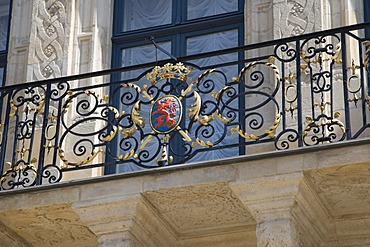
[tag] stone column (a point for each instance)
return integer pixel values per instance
(110, 220)
(125, 221)
(271, 203)
(119, 239)
(275, 202)
(277, 232)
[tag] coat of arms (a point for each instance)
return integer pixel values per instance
(165, 114)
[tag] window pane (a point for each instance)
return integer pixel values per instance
(4, 18)
(204, 8)
(208, 43)
(213, 42)
(142, 54)
(140, 14)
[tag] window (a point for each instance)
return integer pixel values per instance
(367, 16)
(4, 27)
(181, 27)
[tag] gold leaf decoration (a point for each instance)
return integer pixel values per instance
(206, 119)
(222, 118)
(135, 115)
(270, 132)
(115, 111)
(126, 156)
(202, 143)
(41, 104)
(128, 132)
(169, 71)
(111, 135)
(145, 141)
(185, 135)
(337, 51)
(206, 73)
(245, 135)
(188, 89)
(145, 94)
(195, 109)
(253, 65)
(131, 85)
(85, 161)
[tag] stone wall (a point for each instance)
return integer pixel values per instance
(54, 38)
(273, 19)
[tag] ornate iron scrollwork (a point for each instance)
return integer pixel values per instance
(163, 107)
(270, 132)
(320, 56)
(89, 108)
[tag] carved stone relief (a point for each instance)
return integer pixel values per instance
(55, 225)
(195, 210)
(297, 17)
(50, 36)
(344, 191)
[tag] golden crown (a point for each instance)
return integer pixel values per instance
(178, 71)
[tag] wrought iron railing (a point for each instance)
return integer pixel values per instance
(294, 92)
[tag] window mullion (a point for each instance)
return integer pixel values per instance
(176, 12)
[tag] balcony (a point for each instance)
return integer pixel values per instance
(236, 129)
(285, 94)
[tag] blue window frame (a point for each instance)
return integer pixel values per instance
(367, 16)
(181, 27)
(173, 23)
(5, 7)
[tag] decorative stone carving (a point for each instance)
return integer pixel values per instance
(344, 191)
(344, 194)
(50, 35)
(297, 17)
(55, 225)
(10, 238)
(195, 210)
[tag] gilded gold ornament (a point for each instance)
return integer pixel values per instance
(184, 134)
(126, 156)
(169, 71)
(272, 130)
(145, 141)
(195, 109)
(202, 143)
(135, 115)
(111, 135)
(85, 161)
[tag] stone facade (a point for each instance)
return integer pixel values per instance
(54, 38)
(309, 197)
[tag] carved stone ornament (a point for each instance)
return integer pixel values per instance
(50, 34)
